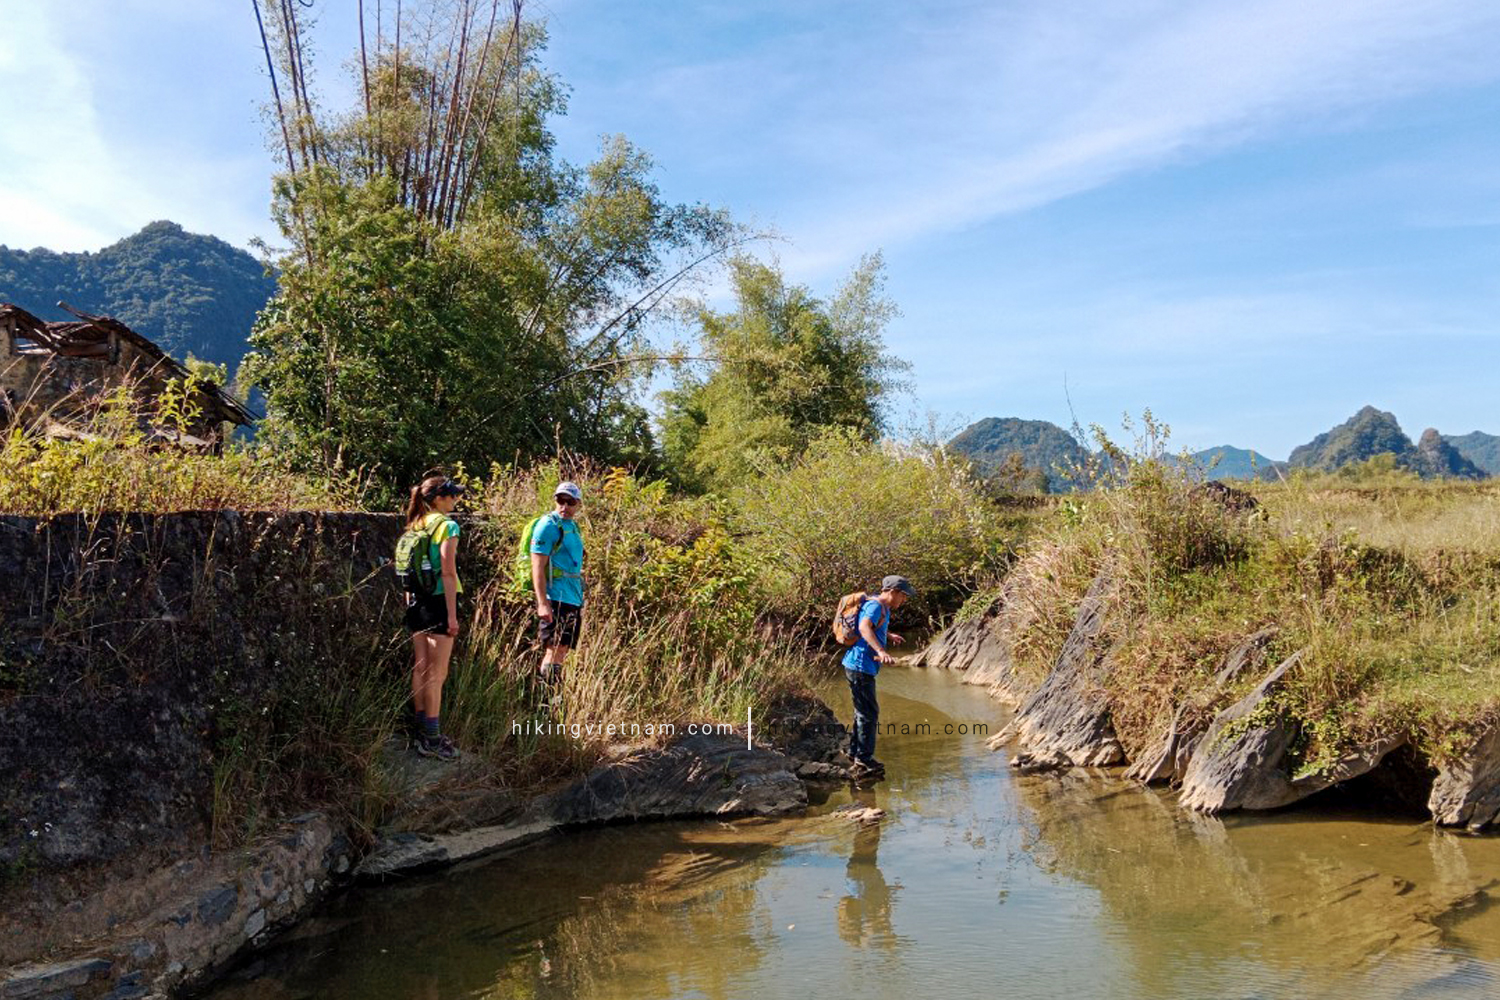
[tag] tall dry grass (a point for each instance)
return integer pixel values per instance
(672, 630)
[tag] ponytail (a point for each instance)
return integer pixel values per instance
(419, 505)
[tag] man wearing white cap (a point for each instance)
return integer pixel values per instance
(557, 579)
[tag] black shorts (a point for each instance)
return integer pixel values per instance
(563, 629)
(429, 614)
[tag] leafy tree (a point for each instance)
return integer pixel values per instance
(452, 292)
(786, 368)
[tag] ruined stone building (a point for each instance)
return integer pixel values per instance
(52, 373)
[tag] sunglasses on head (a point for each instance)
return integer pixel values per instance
(566, 500)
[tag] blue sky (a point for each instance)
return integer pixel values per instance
(1253, 216)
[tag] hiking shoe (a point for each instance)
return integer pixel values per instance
(440, 747)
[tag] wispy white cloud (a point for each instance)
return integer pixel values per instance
(56, 166)
(935, 122)
(81, 165)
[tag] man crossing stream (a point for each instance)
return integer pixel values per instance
(861, 664)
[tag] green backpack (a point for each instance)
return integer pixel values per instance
(520, 576)
(414, 569)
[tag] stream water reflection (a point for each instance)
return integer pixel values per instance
(1069, 886)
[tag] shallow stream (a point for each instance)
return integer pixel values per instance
(977, 883)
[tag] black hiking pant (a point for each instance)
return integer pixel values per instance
(866, 714)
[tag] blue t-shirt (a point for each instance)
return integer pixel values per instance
(860, 656)
(565, 571)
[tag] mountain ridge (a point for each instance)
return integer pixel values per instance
(1478, 447)
(993, 442)
(191, 293)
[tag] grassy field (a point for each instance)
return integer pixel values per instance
(1389, 585)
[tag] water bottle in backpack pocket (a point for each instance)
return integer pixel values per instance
(414, 569)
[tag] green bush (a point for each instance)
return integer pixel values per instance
(673, 630)
(849, 512)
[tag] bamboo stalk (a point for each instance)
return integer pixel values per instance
(265, 44)
(513, 44)
(364, 71)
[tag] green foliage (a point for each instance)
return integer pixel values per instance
(114, 463)
(391, 352)
(674, 629)
(189, 293)
(787, 368)
(410, 332)
(1377, 470)
(1158, 523)
(848, 512)
(977, 605)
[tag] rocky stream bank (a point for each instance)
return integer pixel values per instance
(173, 930)
(1219, 752)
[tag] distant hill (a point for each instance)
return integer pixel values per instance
(189, 293)
(1045, 448)
(1372, 432)
(1368, 433)
(1042, 449)
(1437, 459)
(1480, 448)
(1228, 462)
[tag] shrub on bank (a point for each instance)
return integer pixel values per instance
(847, 513)
(672, 631)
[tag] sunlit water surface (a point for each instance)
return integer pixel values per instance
(978, 882)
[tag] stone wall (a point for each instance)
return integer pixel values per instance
(139, 652)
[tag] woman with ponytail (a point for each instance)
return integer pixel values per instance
(433, 618)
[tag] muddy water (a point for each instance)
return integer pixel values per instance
(978, 882)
